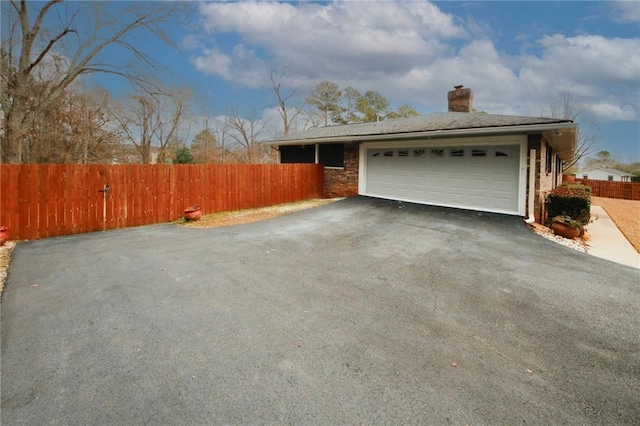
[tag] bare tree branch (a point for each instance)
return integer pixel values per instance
(66, 61)
(287, 113)
(588, 135)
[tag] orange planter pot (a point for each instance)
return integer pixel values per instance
(565, 230)
(4, 235)
(192, 214)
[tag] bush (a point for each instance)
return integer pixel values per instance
(183, 156)
(570, 200)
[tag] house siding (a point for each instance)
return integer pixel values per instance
(599, 174)
(343, 182)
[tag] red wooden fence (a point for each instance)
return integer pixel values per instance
(609, 189)
(47, 200)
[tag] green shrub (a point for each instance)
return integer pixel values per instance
(570, 200)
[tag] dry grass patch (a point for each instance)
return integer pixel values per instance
(625, 214)
(217, 220)
(5, 257)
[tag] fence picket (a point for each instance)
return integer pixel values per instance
(39, 201)
(608, 189)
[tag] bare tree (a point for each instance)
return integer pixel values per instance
(74, 130)
(245, 133)
(588, 135)
(284, 98)
(204, 147)
(152, 120)
(61, 43)
(222, 141)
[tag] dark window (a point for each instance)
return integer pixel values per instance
(437, 152)
(331, 154)
(501, 154)
(419, 152)
(298, 154)
(549, 158)
(610, 178)
(478, 152)
(388, 154)
(403, 153)
(457, 152)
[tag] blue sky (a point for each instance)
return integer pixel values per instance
(516, 56)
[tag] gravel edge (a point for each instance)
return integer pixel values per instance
(5, 258)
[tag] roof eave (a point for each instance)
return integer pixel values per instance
(519, 129)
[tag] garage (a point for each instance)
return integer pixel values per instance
(478, 177)
(459, 158)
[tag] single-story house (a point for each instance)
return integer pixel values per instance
(463, 159)
(604, 173)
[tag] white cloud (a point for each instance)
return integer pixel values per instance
(413, 53)
(337, 38)
(241, 66)
(612, 112)
(626, 11)
(593, 58)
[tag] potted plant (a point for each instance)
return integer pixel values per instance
(566, 227)
(4, 235)
(192, 213)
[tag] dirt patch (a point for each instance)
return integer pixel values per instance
(217, 220)
(625, 214)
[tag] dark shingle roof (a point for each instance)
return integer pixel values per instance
(441, 121)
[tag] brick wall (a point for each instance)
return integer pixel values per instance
(343, 182)
(543, 181)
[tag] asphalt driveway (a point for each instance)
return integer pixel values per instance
(362, 311)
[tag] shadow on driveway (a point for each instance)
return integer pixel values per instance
(361, 311)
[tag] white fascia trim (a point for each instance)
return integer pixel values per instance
(392, 137)
(522, 178)
(362, 172)
(475, 141)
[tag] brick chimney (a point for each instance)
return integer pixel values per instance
(460, 100)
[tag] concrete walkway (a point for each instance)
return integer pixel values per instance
(607, 242)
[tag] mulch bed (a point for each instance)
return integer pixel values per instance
(221, 219)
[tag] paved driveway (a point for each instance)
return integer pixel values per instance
(362, 311)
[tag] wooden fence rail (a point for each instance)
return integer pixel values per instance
(608, 189)
(47, 200)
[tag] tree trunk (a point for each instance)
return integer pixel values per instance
(14, 134)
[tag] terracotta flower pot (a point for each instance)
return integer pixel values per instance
(192, 213)
(4, 235)
(565, 230)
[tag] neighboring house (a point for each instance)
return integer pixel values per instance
(604, 173)
(462, 159)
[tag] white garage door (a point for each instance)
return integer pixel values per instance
(473, 177)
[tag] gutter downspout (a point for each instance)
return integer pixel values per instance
(532, 186)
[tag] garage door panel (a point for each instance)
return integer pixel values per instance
(483, 178)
